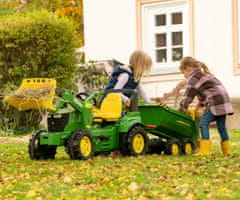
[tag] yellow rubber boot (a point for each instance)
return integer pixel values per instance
(204, 148)
(226, 148)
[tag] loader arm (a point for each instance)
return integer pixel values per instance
(68, 97)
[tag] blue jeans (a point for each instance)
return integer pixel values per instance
(204, 125)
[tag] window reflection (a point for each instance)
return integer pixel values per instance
(161, 55)
(177, 38)
(161, 40)
(160, 20)
(177, 18)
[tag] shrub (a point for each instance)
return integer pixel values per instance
(36, 44)
(91, 78)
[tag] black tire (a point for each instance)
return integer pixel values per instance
(188, 147)
(172, 147)
(155, 146)
(40, 152)
(67, 150)
(136, 136)
(123, 139)
(77, 142)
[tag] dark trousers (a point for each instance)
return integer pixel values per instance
(221, 121)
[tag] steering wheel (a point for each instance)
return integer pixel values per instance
(83, 96)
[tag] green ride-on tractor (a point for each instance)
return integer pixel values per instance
(85, 129)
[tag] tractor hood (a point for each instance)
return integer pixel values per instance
(65, 110)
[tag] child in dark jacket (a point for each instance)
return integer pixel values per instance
(213, 96)
(128, 76)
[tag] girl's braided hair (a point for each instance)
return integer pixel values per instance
(192, 62)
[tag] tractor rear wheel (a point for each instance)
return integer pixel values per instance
(135, 142)
(172, 147)
(80, 145)
(40, 152)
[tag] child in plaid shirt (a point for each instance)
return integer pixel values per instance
(213, 96)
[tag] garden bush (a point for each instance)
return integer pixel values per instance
(34, 44)
(91, 78)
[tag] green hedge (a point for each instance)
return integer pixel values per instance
(36, 44)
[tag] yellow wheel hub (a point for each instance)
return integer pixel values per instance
(188, 149)
(138, 143)
(175, 149)
(85, 146)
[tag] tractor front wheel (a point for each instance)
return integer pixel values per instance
(40, 152)
(135, 142)
(80, 145)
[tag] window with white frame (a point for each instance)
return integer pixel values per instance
(236, 35)
(165, 35)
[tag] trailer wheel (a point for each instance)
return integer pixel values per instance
(80, 145)
(155, 145)
(40, 152)
(172, 147)
(187, 147)
(135, 142)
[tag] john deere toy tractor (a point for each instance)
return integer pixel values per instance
(84, 129)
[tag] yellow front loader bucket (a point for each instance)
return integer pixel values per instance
(34, 93)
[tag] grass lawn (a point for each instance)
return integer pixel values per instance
(144, 177)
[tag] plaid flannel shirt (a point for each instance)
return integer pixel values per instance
(210, 91)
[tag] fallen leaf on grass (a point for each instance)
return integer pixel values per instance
(31, 193)
(133, 186)
(10, 186)
(74, 190)
(190, 197)
(142, 198)
(67, 179)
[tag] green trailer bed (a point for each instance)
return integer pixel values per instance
(165, 122)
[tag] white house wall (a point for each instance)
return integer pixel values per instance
(214, 45)
(110, 32)
(110, 29)
(213, 40)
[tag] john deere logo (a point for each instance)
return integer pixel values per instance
(181, 122)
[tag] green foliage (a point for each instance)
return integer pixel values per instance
(110, 177)
(68, 8)
(37, 44)
(92, 79)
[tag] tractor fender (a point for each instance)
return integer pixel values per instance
(130, 126)
(136, 124)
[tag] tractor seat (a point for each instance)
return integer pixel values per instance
(110, 109)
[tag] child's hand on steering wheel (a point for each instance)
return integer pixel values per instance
(128, 102)
(157, 99)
